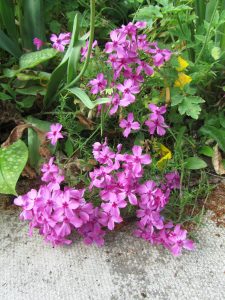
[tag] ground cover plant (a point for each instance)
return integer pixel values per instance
(110, 125)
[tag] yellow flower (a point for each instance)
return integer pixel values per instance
(165, 154)
(182, 80)
(182, 64)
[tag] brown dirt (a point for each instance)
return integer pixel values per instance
(216, 203)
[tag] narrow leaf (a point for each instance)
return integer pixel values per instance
(9, 45)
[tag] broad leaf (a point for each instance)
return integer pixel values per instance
(217, 134)
(190, 106)
(194, 163)
(12, 162)
(32, 59)
(206, 150)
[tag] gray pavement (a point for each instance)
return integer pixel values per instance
(125, 268)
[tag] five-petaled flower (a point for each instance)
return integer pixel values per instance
(59, 42)
(98, 84)
(129, 124)
(54, 134)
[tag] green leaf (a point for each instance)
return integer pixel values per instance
(26, 102)
(55, 26)
(60, 71)
(80, 94)
(32, 22)
(12, 162)
(69, 147)
(73, 61)
(217, 134)
(32, 90)
(8, 18)
(10, 73)
(32, 59)
(206, 150)
(222, 119)
(33, 140)
(194, 163)
(9, 45)
(190, 106)
(5, 97)
(176, 99)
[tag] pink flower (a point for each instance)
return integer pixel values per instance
(129, 124)
(140, 158)
(38, 43)
(98, 84)
(141, 24)
(178, 240)
(55, 133)
(109, 220)
(145, 67)
(59, 42)
(157, 125)
(173, 180)
(117, 38)
(115, 104)
(128, 90)
(161, 56)
(156, 111)
(84, 50)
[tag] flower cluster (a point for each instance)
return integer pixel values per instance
(125, 56)
(151, 225)
(118, 183)
(119, 179)
(56, 212)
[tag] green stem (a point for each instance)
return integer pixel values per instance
(92, 27)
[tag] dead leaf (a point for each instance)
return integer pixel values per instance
(217, 161)
(85, 121)
(15, 134)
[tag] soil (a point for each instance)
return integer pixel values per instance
(216, 203)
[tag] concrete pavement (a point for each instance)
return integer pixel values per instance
(125, 268)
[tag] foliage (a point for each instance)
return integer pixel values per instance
(29, 16)
(12, 162)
